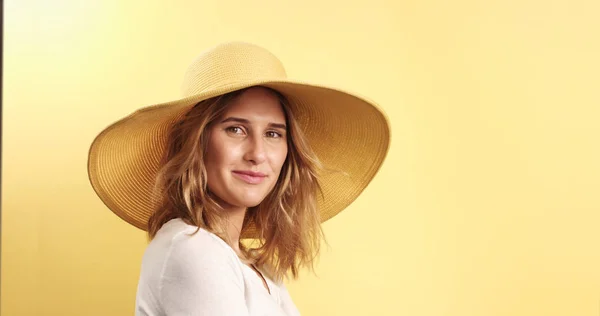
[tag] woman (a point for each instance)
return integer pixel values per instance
(233, 181)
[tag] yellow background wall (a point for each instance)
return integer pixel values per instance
(488, 203)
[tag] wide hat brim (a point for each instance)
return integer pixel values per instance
(349, 134)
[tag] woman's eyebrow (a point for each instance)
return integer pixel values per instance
(245, 121)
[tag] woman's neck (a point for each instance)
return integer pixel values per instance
(235, 216)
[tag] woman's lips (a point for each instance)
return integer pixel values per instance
(249, 177)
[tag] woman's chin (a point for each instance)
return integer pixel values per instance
(240, 200)
(251, 201)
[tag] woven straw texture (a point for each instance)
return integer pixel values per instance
(349, 134)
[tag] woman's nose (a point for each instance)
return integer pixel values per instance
(255, 150)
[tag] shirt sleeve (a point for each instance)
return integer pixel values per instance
(200, 278)
(287, 304)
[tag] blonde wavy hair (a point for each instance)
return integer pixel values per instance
(287, 221)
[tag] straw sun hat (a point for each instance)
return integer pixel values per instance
(347, 132)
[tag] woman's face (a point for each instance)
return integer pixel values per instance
(247, 148)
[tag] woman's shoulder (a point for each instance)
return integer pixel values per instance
(184, 259)
(178, 242)
(176, 235)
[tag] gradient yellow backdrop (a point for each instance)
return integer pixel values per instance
(488, 203)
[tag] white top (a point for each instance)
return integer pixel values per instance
(184, 275)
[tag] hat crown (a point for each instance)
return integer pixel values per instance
(229, 64)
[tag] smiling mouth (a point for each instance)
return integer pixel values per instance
(249, 177)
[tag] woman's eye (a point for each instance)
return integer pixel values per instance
(235, 129)
(273, 134)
